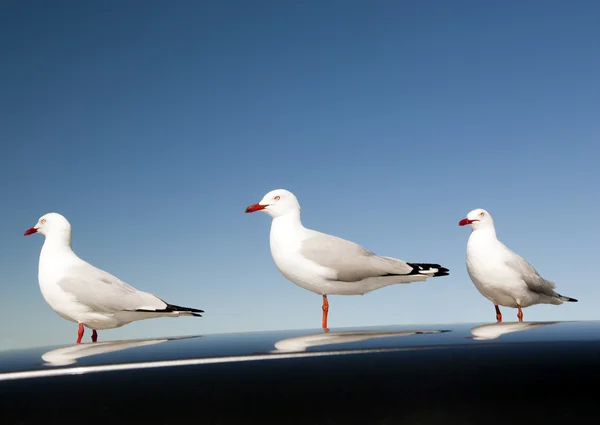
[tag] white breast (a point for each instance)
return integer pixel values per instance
(49, 274)
(486, 265)
(286, 243)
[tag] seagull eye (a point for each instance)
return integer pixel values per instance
(43, 220)
(481, 214)
(277, 198)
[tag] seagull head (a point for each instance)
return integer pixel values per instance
(51, 223)
(477, 219)
(276, 203)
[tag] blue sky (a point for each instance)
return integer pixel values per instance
(152, 125)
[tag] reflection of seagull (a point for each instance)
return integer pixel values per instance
(69, 355)
(301, 343)
(494, 330)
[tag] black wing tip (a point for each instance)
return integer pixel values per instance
(173, 307)
(569, 299)
(419, 267)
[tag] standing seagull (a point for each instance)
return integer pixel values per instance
(328, 265)
(81, 293)
(502, 276)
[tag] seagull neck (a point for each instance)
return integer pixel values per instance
(60, 242)
(489, 232)
(291, 220)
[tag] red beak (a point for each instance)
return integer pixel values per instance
(466, 221)
(30, 231)
(255, 207)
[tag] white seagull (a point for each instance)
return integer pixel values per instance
(502, 276)
(328, 265)
(86, 295)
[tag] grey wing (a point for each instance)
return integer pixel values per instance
(104, 292)
(530, 276)
(350, 261)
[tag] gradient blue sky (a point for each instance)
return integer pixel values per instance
(151, 125)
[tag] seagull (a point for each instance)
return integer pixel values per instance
(84, 294)
(501, 275)
(328, 265)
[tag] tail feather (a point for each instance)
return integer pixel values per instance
(192, 311)
(171, 308)
(429, 269)
(569, 299)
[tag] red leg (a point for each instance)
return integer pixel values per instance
(498, 314)
(94, 335)
(325, 311)
(520, 313)
(80, 333)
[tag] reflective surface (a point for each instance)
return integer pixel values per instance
(243, 346)
(497, 373)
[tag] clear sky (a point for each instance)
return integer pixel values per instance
(151, 125)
